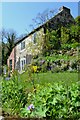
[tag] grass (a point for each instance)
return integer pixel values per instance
(42, 78)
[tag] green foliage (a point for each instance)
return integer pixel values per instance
(17, 95)
(9, 37)
(64, 35)
(51, 41)
(54, 102)
(69, 46)
(77, 20)
(14, 96)
(56, 69)
(62, 38)
(63, 102)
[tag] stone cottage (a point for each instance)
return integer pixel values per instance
(28, 45)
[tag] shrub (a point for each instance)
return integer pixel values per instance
(44, 68)
(14, 96)
(56, 69)
(54, 102)
(69, 46)
(63, 102)
(66, 46)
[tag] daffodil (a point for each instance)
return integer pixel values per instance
(34, 68)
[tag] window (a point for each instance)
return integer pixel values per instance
(45, 30)
(22, 65)
(22, 45)
(34, 37)
(10, 64)
(23, 62)
(57, 19)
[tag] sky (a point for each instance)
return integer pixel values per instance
(18, 15)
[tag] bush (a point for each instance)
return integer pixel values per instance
(44, 67)
(69, 46)
(75, 45)
(56, 69)
(63, 102)
(66, 46)
(54, 102)
(14, 96)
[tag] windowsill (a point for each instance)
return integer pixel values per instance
(22, 50)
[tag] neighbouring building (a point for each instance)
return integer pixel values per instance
(26, 47)
(11, 60)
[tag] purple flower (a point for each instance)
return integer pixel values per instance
(30, 107)
(42, 62)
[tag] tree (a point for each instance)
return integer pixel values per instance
(74, 30)
(77, 20)
(8, 42)
(0, 57)
(42, 18)
(11, 37)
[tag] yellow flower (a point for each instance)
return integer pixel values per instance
(34, 68)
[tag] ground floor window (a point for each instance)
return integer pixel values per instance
(10, 64)
(23, 62)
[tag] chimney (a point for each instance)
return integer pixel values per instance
(64, 9)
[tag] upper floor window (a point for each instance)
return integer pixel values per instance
(34, 37)
(57, 19)
(22, 45)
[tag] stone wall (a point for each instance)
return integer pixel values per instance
(26, 54)
(63, 18)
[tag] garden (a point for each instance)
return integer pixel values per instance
(41, 95)
(49, 87)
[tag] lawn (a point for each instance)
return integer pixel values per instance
(42, 78)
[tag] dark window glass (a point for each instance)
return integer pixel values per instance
(22, 65)
(24, 62)
(34, 37)
(10, 64)
(57, 19)
(44, 29)
(22, 45)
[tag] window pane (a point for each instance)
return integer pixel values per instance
(10, 64)
(24, 62)
(22, 45)
(22, 65)
(34, 37)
